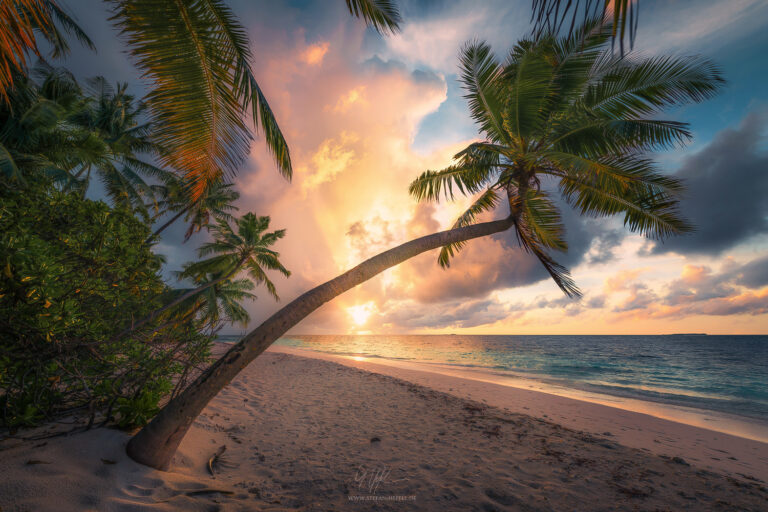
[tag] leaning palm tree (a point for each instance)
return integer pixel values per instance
(246, 247)
(216, 203)
(558, 112)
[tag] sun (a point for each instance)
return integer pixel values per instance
(361, 313)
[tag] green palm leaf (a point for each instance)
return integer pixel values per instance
(479, 74)
(487, 201)
(380, 14)
(197, 56)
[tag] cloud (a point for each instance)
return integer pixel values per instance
(697, 284)
(754, 274)
(706, 24)
(456, 314)
(736, 289)
(315, 53)
(346, 101)
(332, 157)
(432, 36)
(604, 245)
(725, 196)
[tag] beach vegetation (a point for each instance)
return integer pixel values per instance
(72, 268)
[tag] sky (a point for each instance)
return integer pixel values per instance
(365, 114)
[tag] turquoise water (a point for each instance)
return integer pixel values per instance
(719, 373)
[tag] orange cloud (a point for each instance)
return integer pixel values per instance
(315, 53)
(621, 280)
(346, 101)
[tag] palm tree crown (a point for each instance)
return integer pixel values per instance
(219, 303)
(244, 247)
(566, 112)
(58, 129)
(217, 202)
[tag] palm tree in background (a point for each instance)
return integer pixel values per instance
(117, 118)
(217, 304)
(561, 112)
(55, 128)
(244, 247)
(216, 204)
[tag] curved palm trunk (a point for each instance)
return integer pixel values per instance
(156, 443)
(171, 221)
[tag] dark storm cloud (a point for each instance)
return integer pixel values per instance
(726, 190)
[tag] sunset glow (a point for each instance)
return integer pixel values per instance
(360, 314)
(365, 115)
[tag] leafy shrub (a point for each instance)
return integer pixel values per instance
(73, 273)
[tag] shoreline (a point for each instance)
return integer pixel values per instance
(667, 436)
(726, 423)
(303, 433)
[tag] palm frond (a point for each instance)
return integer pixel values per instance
(605, 136)
(487, 201)
(477, 165)
(544, 220)
(196, 54)
(8, 168)
(248, 88)
(69, 26)
(479, 74)
(257, 274)
(559, 274)
(648, 209)
(531, 78)
(21, 21)
(382, 15)
(568, 16)
(639, 87)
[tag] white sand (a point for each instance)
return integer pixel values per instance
(308, 434)
(710, 449)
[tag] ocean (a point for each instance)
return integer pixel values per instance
(727, 374)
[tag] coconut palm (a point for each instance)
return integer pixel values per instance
(116, 117)
(216, 203)
(53, 127)
(220, 303)
(245, 247)
(559, 110)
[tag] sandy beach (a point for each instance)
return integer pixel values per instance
(313, 434)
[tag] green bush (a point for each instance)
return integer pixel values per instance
(73, 273)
